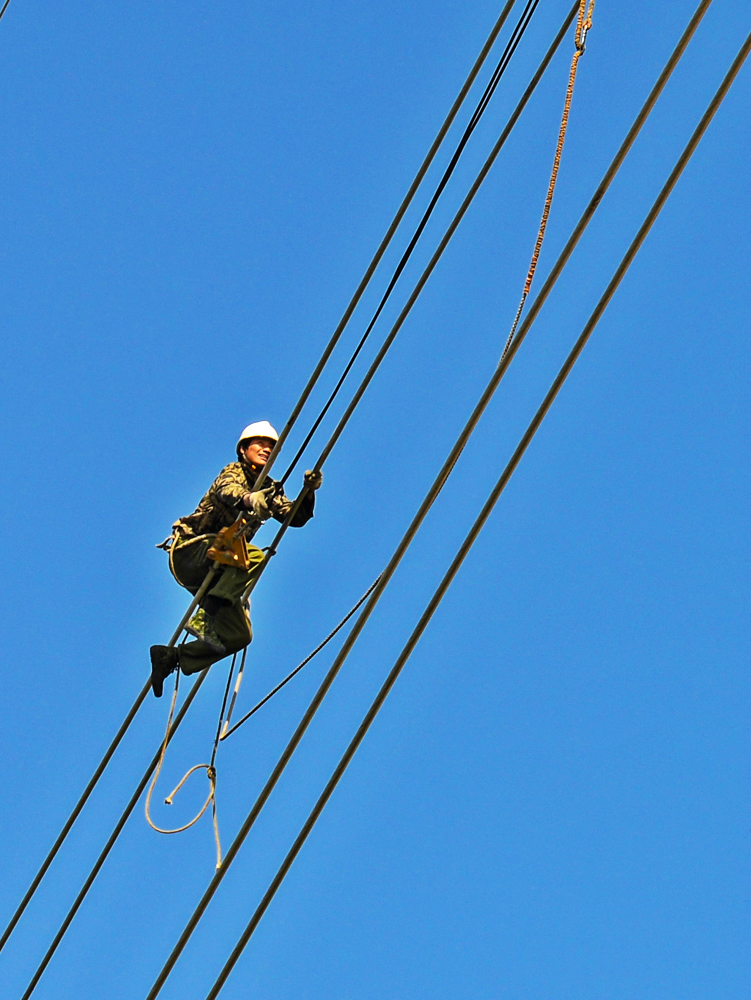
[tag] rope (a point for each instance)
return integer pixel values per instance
(209, 768)
(437, 142)
(235, 693)
(450, 462)
(583, 24)
(228, 732)
(481, 519)
(508, 52)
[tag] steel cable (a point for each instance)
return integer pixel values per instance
(483, 516)
(430, 156)
(435, 489)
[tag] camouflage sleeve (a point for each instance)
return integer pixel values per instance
(281, 504)
(230, 486)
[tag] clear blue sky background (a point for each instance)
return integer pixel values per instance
(554, 801)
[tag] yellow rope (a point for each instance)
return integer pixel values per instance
(583, 24)
(210, 774)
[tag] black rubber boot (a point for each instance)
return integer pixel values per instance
(164, 659)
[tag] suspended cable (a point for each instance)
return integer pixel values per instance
(437, 142)
(508, 52)
(482, 517)
(581, 30)
(443, 475)
(93, 781)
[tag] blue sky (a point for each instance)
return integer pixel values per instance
(554, 800)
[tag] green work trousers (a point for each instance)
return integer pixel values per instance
(189, 563)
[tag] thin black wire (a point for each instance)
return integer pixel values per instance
(437, 142)
(443, 475)
(511, 46)
(481, 519)
(305, 662)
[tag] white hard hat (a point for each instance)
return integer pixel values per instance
(261, 429)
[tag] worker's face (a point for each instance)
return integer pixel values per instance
(258, 450)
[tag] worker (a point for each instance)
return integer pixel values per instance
(221, 625)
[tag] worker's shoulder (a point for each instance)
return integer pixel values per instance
(234, 472)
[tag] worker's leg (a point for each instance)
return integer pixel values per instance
(232, 582)
(190, 562)
(233, 626)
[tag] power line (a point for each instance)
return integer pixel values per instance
(435, 489)
(437, 142)
(482, 517)
(74, 815)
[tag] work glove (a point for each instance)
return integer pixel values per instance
(258, 504)
(282, 507)
(313, 479)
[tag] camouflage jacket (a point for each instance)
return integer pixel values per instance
(224, 501)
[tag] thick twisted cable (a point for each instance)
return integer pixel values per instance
(323, 689)
(380, 252)
(479, 522)
(450, 462)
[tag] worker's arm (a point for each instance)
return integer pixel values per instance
(281, 504)
(230, 486)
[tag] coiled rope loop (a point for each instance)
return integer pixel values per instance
(210, 768)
